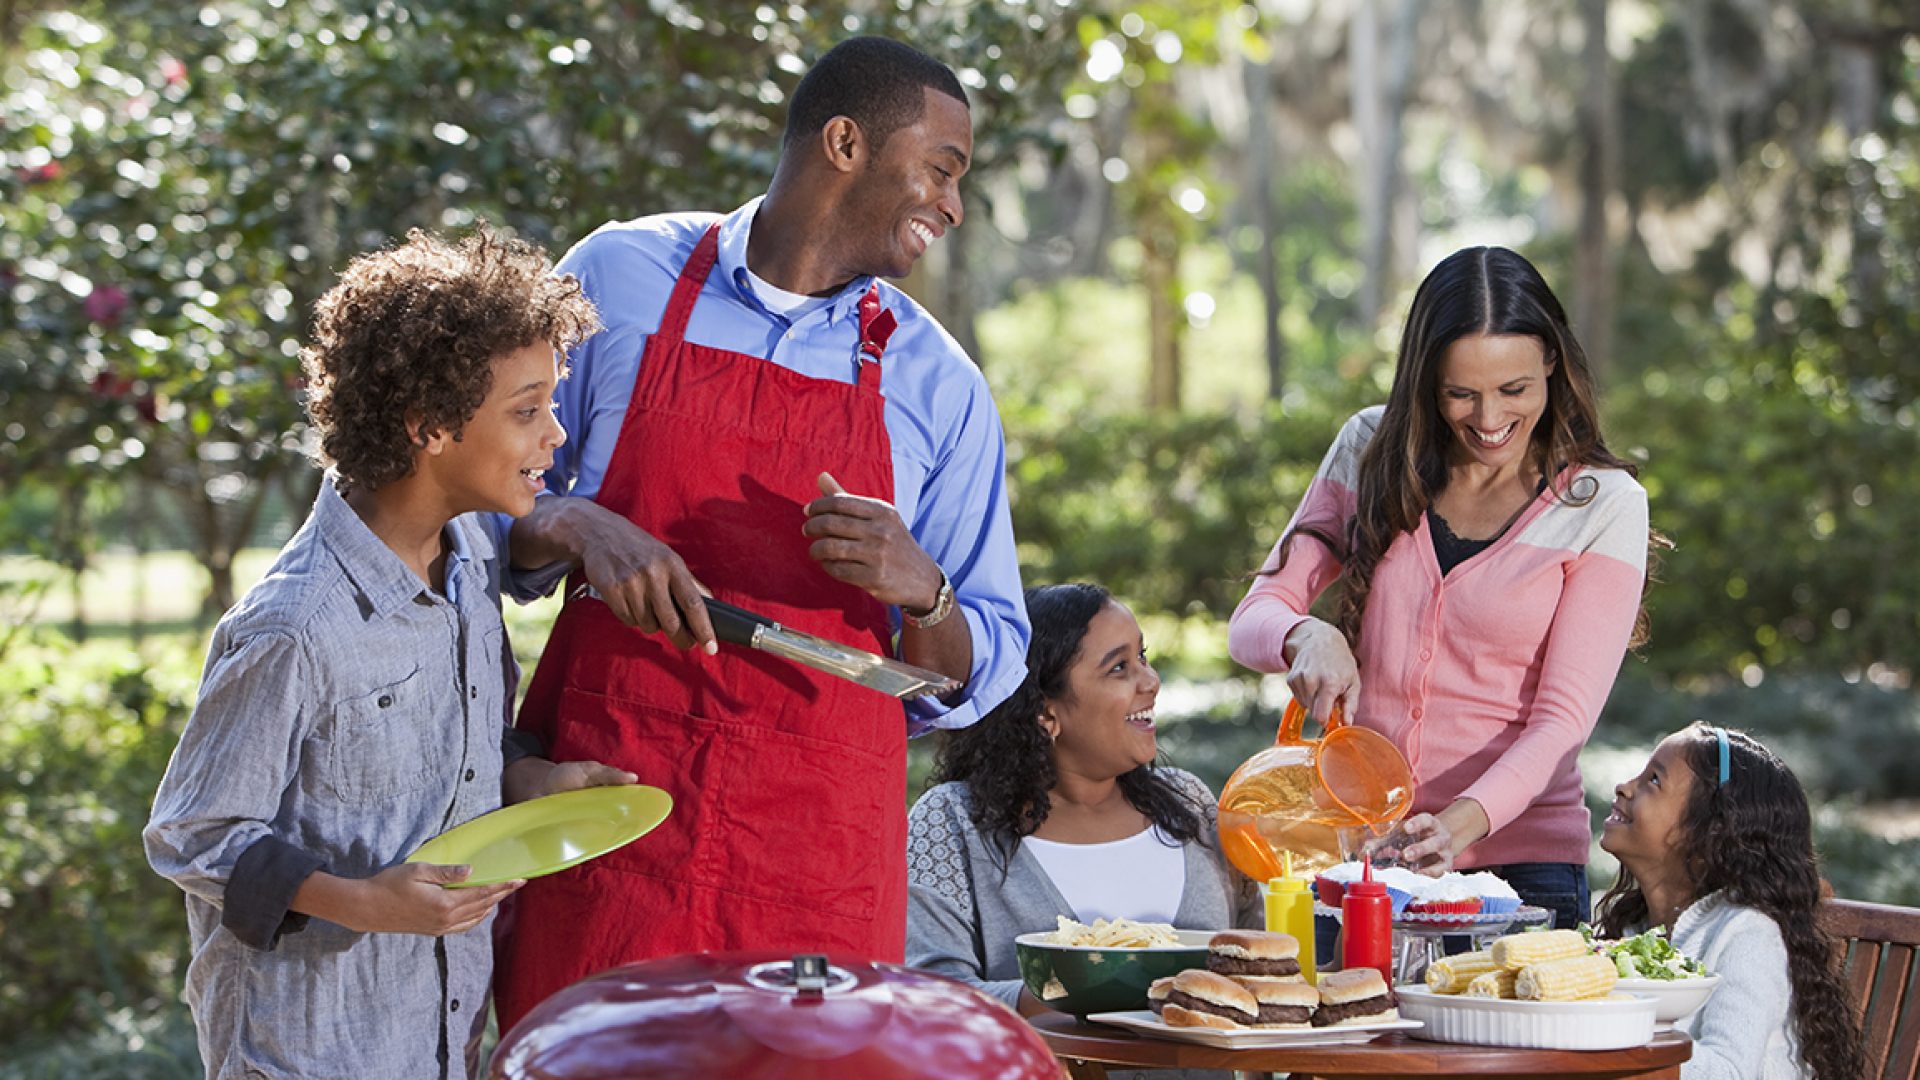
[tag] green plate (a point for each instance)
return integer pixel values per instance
(547, 835)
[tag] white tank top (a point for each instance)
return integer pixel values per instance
(1139, 878)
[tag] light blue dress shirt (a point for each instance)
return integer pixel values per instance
(949, 454)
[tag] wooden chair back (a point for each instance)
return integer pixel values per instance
(1878, 944)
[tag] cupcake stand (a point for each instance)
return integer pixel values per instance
(1418, 936)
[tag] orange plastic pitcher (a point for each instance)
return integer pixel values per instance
(1297, 795)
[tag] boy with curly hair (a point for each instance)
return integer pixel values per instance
(357, 701)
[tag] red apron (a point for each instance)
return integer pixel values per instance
(788, 829)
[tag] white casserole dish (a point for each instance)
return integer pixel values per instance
(1611, 1023)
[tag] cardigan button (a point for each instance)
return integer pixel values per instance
(1418, 712)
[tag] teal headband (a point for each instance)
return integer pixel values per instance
(1726, 758)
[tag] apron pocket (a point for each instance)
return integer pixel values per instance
(763, 814)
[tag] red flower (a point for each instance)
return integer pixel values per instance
(173, 70)
(41, 174)
(105, 304)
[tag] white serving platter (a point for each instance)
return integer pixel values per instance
(1146, 1023)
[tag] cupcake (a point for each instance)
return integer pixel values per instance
(1447, 900)
(1496, 896)
(1331, 886)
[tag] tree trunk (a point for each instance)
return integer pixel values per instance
(1259, 187)
(1858, 75)
(1599, 177)
(958, 288)
(1160, 274)
(1380, 88)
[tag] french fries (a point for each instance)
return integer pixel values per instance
(1112, 934)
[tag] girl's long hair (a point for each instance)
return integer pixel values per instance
(1752, 838)
(1479, 290)
(1006, 759)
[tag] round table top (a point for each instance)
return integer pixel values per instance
(1390, 1054)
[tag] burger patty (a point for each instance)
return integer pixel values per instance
(1234, 965)
(1202, 1005)
(1347, 1010)
(1284, 1014)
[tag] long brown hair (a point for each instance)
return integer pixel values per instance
(1479, 290)
(1752, 837)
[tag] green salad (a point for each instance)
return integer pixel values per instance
(1646, 956)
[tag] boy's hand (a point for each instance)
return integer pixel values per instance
(534, 777)
(412, 898)
(574, 775)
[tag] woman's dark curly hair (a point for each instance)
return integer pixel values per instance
(1752, 838)
(1006, 759)
(408, 337)
(1478, 290)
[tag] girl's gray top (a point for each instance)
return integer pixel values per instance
(964, 909)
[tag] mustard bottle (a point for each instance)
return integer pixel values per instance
(1290, 911)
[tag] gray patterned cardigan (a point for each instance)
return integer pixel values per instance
(963, 913)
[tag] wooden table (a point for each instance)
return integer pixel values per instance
(1087, 1049)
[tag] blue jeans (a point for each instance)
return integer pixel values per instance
(1559, 887)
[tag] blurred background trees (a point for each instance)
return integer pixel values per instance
(1192, 231)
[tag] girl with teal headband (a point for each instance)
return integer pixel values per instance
(1715, 842)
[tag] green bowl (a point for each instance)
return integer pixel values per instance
(1079, 979)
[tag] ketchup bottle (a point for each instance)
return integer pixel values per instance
(1366, 926)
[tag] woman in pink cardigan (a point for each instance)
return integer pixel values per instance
(1491, 554)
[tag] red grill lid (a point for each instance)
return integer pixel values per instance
(754, 1015)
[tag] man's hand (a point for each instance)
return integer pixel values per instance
(863, 542)
(410, 898)
(1321, 670)
(646, 583)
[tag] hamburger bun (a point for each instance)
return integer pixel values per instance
(1157, 992)
(1254, 952)
(1202, 999)
(1354, 996)
(1280, 991)
(1255, 945)
(1180, 1016)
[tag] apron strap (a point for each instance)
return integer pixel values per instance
(686, 291)
(876, 326)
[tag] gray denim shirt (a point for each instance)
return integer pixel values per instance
(347, 714)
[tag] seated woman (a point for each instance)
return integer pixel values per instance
(1715, 843)
(1051, 805)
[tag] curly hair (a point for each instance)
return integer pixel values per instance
(1479, 290)
(1006, 759)
(407, 338)
(1752, 837)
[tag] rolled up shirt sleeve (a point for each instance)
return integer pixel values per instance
(964, 523)
(209, 832)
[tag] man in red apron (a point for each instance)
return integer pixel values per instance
(765, 422)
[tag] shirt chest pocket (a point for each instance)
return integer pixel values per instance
(384, 743)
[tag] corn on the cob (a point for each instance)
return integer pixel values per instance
(1451, 974)
(1515, 951)
(1575, 978)
(1494, 984)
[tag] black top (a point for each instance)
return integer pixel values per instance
(1449, 549)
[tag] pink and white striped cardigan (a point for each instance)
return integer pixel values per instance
(1489, 679)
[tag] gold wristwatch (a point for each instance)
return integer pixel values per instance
(942, 607)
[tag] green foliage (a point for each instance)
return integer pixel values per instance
(88, 928)
(1174, 512)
